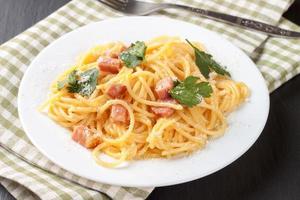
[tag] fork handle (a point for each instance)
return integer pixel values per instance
(242, 22)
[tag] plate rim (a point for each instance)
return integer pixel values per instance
(167, 182)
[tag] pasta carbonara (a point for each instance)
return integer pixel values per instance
(160, 98)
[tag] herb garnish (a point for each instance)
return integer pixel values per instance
(134, 55)
(206, 63)
(190, 92)
(82, 83)
(61, 84)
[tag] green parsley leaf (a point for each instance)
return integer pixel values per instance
(84, 83)
(130, 60)
(138, 49)
(73, 87)
(206, 63)
(61, 84)
(70, 80)
(218, 68)
(190, 92)
(72, 77)
(88, 81)
(204, 89)
(134, 55)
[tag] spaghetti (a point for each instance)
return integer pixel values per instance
(144, 133)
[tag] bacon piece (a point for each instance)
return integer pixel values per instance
(119, 114)
(112, 65)
(163, 87)
(164, 111)
(83, 136)
(116, 91)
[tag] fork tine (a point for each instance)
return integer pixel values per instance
(109, 4)
(118, 2)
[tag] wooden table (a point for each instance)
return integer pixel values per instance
(269, 170)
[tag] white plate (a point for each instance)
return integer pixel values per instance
(245, 125)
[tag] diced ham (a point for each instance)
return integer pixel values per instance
(119, 114)
(164, 111)
(83, 136)
(112, 65)
(163, 87)
(92, 141)
(116, 91)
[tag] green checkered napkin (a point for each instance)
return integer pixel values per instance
(27, 174)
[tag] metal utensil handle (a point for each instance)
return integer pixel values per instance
(242, 22)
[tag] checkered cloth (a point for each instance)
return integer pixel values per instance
(27, 174)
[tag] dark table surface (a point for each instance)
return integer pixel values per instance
(269, 170)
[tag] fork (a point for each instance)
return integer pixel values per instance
(134, 7)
